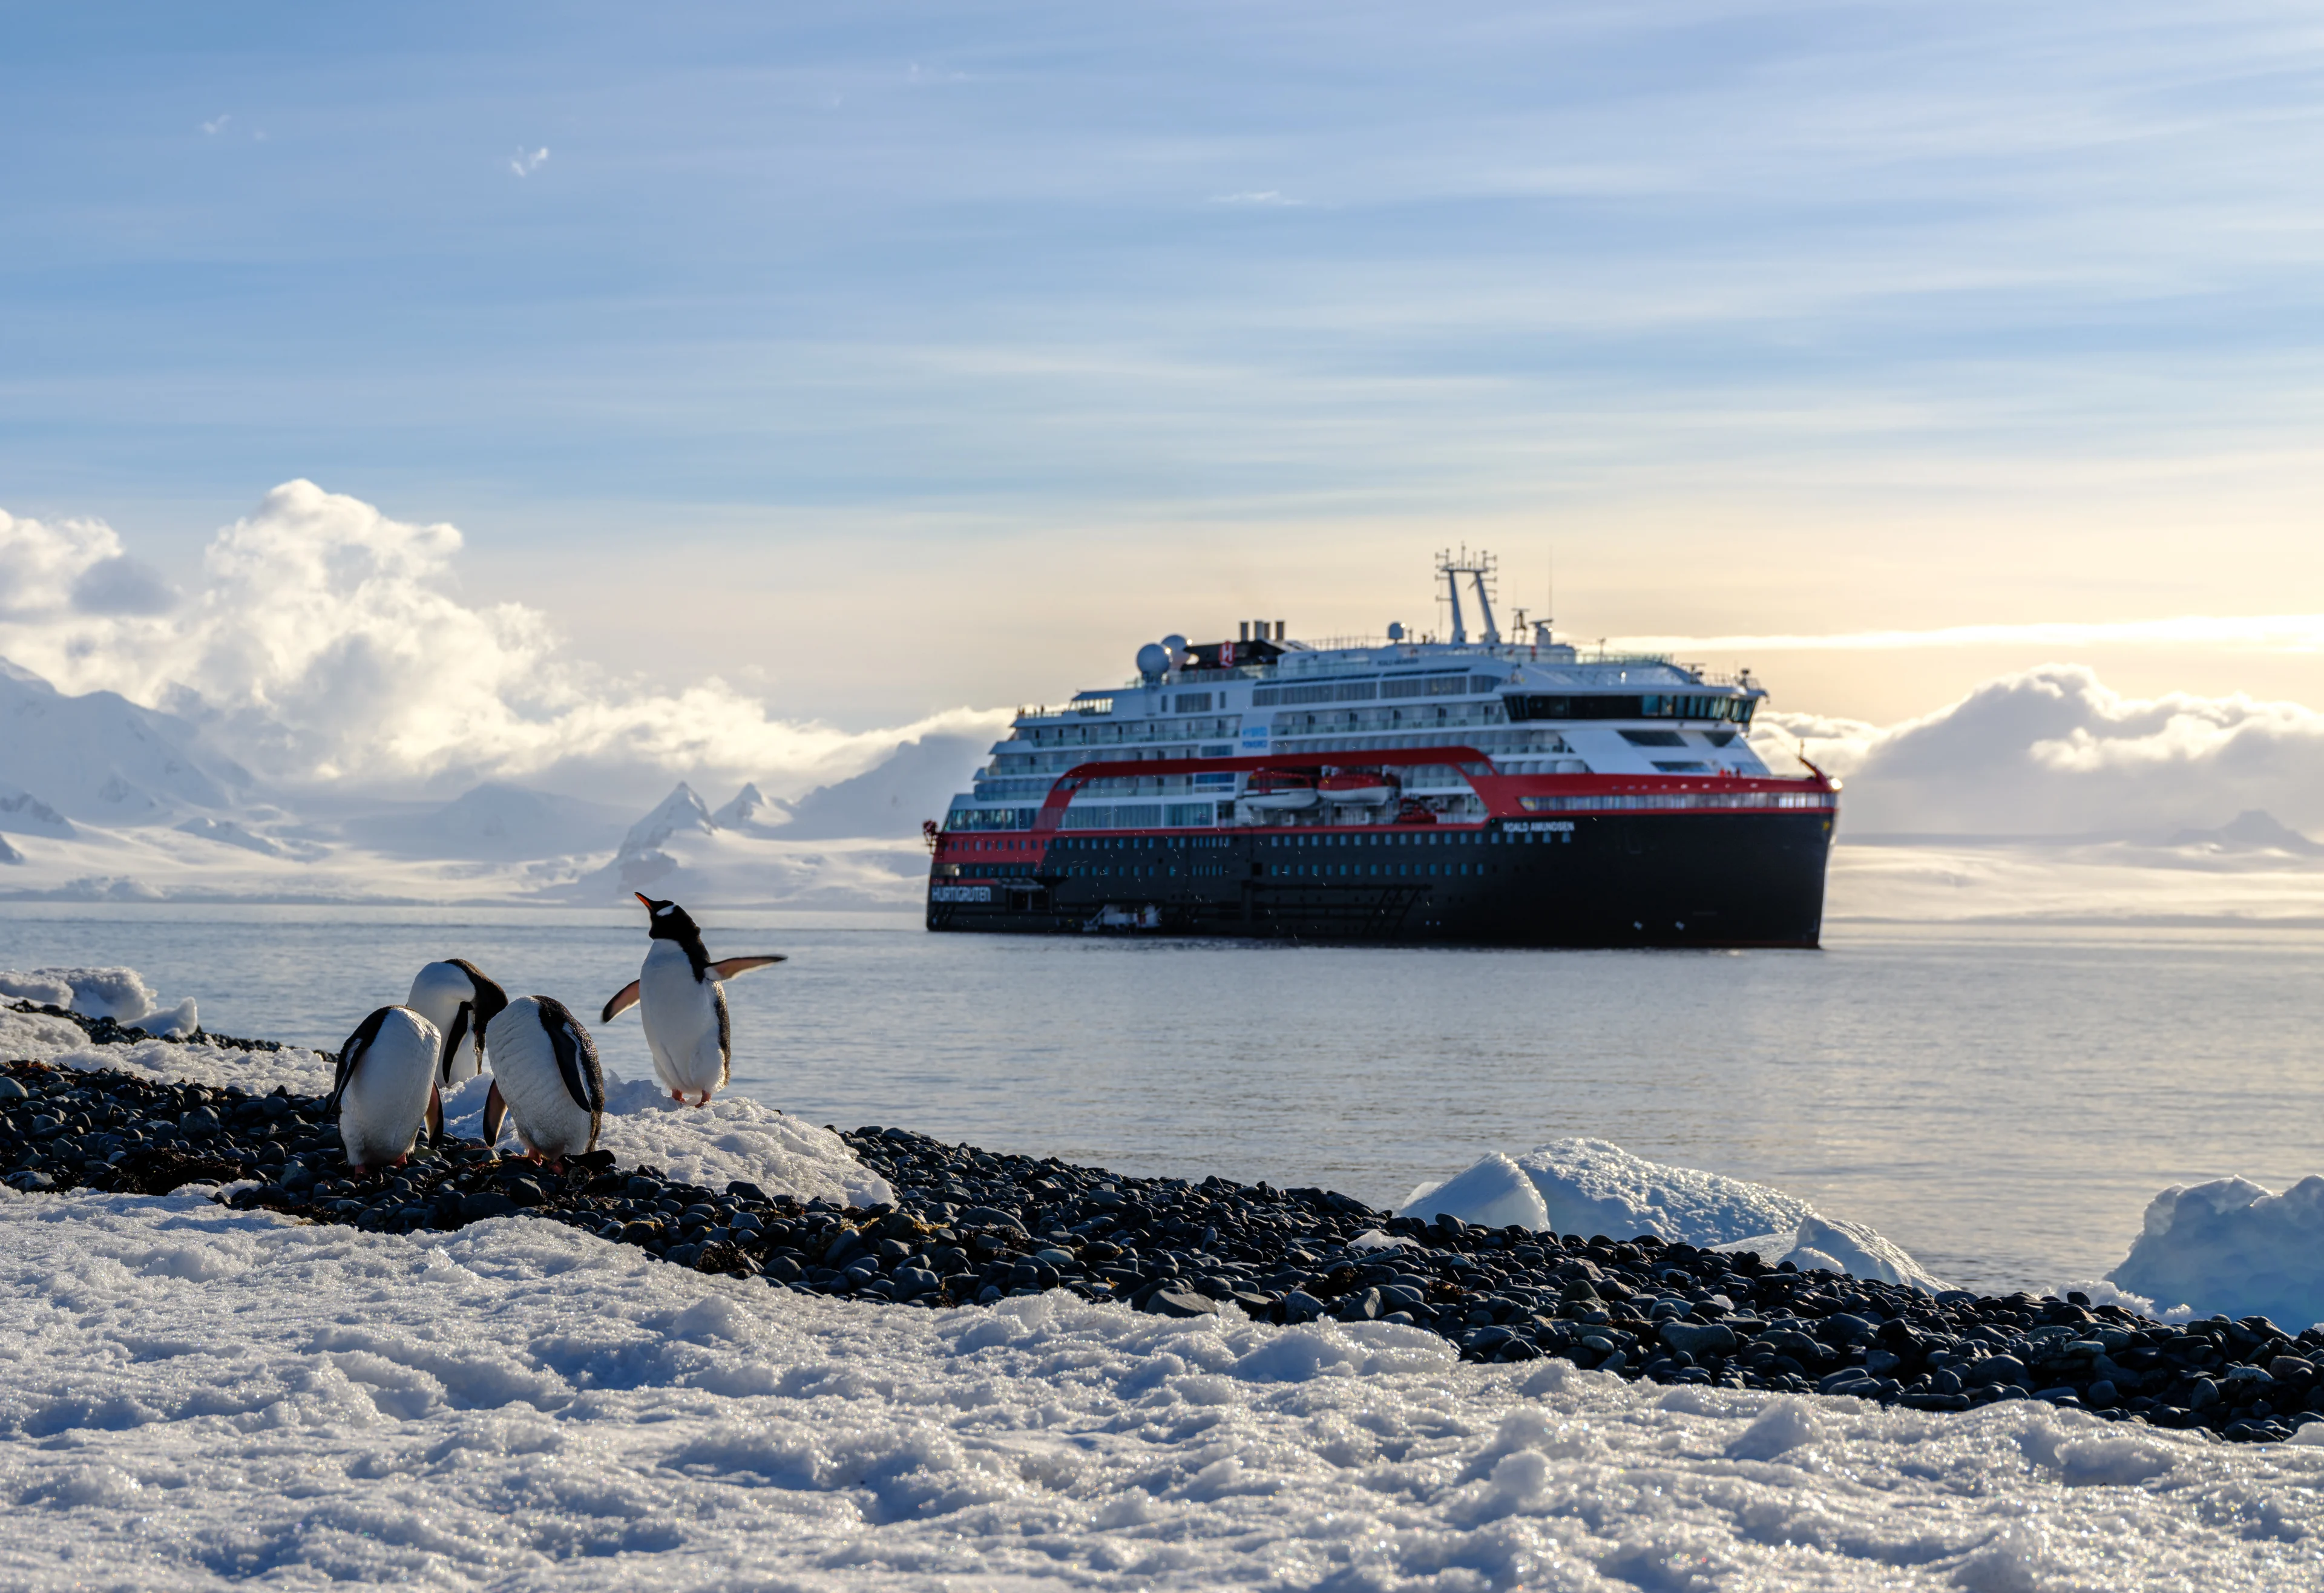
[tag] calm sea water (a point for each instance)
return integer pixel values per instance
(2003, 1103)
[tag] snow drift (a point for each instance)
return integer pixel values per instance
(522, 1405)
(1594, 1187)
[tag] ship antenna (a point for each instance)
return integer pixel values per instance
(1452, 572)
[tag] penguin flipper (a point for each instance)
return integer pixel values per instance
(729, 966)
(351, 1056)
(495, 1109)
(452, 1038)
(623, 1000)
(576, 1057)
(434, 1115)
(725, 1037)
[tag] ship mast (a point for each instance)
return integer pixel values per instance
(1479, 568)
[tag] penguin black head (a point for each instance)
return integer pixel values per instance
(668, 921)
(490, 998)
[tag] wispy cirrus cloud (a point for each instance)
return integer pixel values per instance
(525, 164)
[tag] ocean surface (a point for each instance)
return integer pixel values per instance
(2001, 1101)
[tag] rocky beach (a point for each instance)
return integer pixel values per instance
(971, 1227)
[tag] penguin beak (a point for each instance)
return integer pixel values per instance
(643, 900)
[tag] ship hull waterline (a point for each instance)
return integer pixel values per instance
(1707, 880)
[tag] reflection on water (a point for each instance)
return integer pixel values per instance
(2003, 1104)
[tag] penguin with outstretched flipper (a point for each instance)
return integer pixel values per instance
(683, 1005)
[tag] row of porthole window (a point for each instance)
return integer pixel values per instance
(1419, 838)
(1317, 870)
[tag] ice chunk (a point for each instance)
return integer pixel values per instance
(2231, 1246)
(1592, 1186)
(1492, 1192)
(1596, 1188)
(120, 994)
(1863, 1253)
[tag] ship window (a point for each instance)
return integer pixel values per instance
(1654, 737)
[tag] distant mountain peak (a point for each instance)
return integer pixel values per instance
(680, 810)
(2253, 830)
(748, 808)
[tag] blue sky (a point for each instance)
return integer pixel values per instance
(1018, 334)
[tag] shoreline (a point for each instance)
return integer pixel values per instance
(972, 1227)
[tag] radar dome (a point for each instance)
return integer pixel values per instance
(1153, 660)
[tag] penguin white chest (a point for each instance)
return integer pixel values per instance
(439, 991)
(683, 1020)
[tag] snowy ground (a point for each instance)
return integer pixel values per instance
(196, 1396)
(191, 1396)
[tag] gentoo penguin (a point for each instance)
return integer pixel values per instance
(545, 1076)
(460, 1001)
(682, 1004)
(385, 1087)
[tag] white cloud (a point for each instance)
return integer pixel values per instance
(41, 562)
(216, 125)
(2288, 633)
(525, 164)
(1264, 196)
(326, 646)
(2053, 750)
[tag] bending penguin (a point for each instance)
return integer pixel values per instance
(682, 1004)
(385, 1087)
(545, 1077)
(459, 1000)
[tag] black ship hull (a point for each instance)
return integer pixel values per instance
(1702, 880)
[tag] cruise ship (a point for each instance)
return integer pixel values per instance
(1489, 790)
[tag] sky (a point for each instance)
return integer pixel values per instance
(889, 360)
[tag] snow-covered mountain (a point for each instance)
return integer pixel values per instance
(102, 800)
(889, 800)
(495, 821)
(102, 760)
(683, 850)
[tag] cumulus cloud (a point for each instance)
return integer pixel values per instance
(2052, 750)
(2275, 633)
(327, 645)
(123, 585)
(42, 561)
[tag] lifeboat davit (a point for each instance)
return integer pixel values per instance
(1273, 791)
(1369, 787)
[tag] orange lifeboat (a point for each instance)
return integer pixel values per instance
(1275, 791)
(1362, 787)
